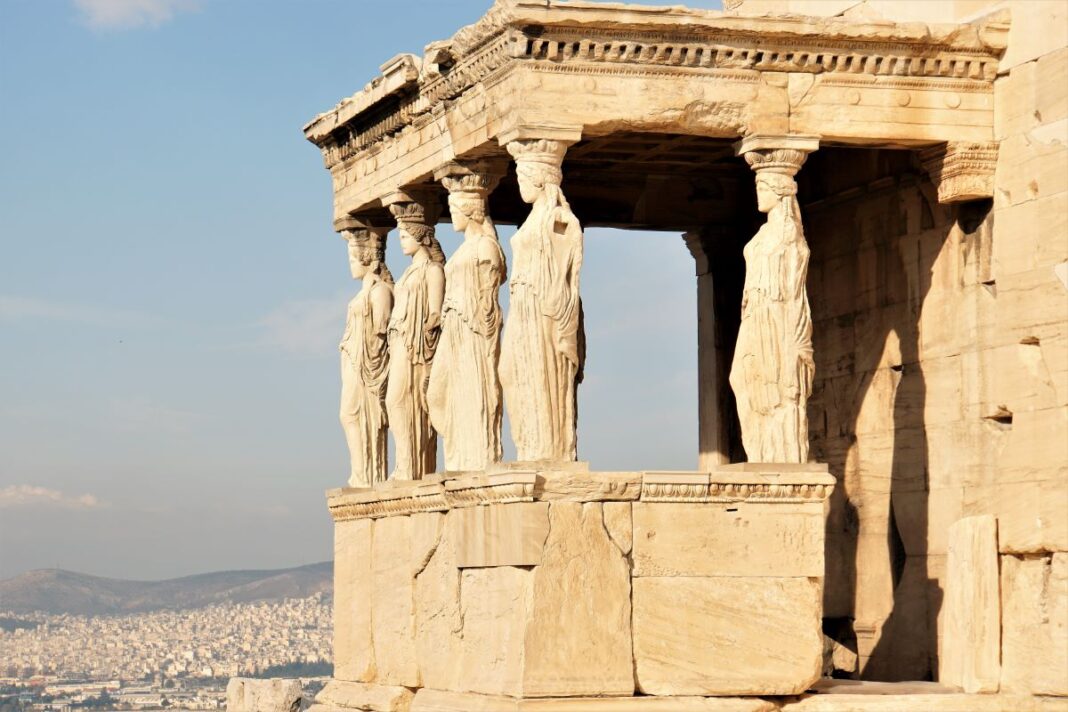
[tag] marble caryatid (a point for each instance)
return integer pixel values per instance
(414, 328)
(365, 358)
(464, 393)
(772, 370)
(543, 348)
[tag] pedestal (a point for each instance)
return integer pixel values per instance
(533, 583)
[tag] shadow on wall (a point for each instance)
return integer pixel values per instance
(875, 231)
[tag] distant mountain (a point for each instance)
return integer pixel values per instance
(59, 591)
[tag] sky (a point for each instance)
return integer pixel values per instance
(172, 291)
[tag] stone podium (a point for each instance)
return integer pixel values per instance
(478, 591)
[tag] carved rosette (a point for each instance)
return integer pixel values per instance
(961, 171)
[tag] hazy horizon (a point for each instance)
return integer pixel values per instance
(172, 292)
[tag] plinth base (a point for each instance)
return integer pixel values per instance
(519, 586)
(438, 701)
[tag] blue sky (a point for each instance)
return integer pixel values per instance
(172, 292)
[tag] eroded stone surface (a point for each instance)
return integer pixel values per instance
(927, 703)
(392, 619)
(578, 639)
(276, 695)
(337, 696)
(969, 654)
(713, 539)
(353, 585)
(438, 619)
(500, 534)
(619, 523)
(589, 486)
(1034, 601)
(726, 636)
(438, 701)
(495, 603)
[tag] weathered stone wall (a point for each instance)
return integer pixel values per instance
(591, 584)
(942, 379)
(1025, 345)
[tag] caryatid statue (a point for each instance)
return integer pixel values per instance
(464, 394)
(365, 358)
(772, 371)
(543, 349)
(414, 328)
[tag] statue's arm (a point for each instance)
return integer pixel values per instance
(381, 306)
(435, 289)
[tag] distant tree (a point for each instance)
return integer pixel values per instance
(297, 669)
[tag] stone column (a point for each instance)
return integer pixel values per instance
(712, 364)
(772, 370)
(543, 349)
(414, 328)
(364, 353)
(464, 392)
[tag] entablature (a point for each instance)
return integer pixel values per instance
(602, 68)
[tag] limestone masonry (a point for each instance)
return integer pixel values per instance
(875, 193)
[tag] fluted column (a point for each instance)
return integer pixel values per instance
(772, 369)
(543, 350)
(464, 391)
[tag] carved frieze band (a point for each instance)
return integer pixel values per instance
(668, 50)
(503, 488)
(466, 491)
(721, 487)
(961, 171)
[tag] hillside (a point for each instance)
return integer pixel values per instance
(60, 591)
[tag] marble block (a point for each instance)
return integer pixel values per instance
(970, 651)
(496, 592)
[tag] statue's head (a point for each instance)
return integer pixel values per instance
(469, 185)
(466, 207)
(537, 165)
(415, 236)
(771, 188)
(367, 252)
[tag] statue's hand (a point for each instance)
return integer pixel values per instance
(433, 321)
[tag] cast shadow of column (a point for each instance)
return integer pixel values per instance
(882, 601)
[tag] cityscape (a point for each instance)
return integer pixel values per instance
(173, 659)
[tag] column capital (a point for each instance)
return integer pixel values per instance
(776, 154)
(961, 170)
(565, 133)
(479, 176)
(418, 204)
(363, 223)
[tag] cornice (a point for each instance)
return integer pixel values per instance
(770, 484)
(595, 38)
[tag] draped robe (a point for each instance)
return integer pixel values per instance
(542, 351)
(411, 352)
(464, 393)
(772, 370)
(364, 366)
